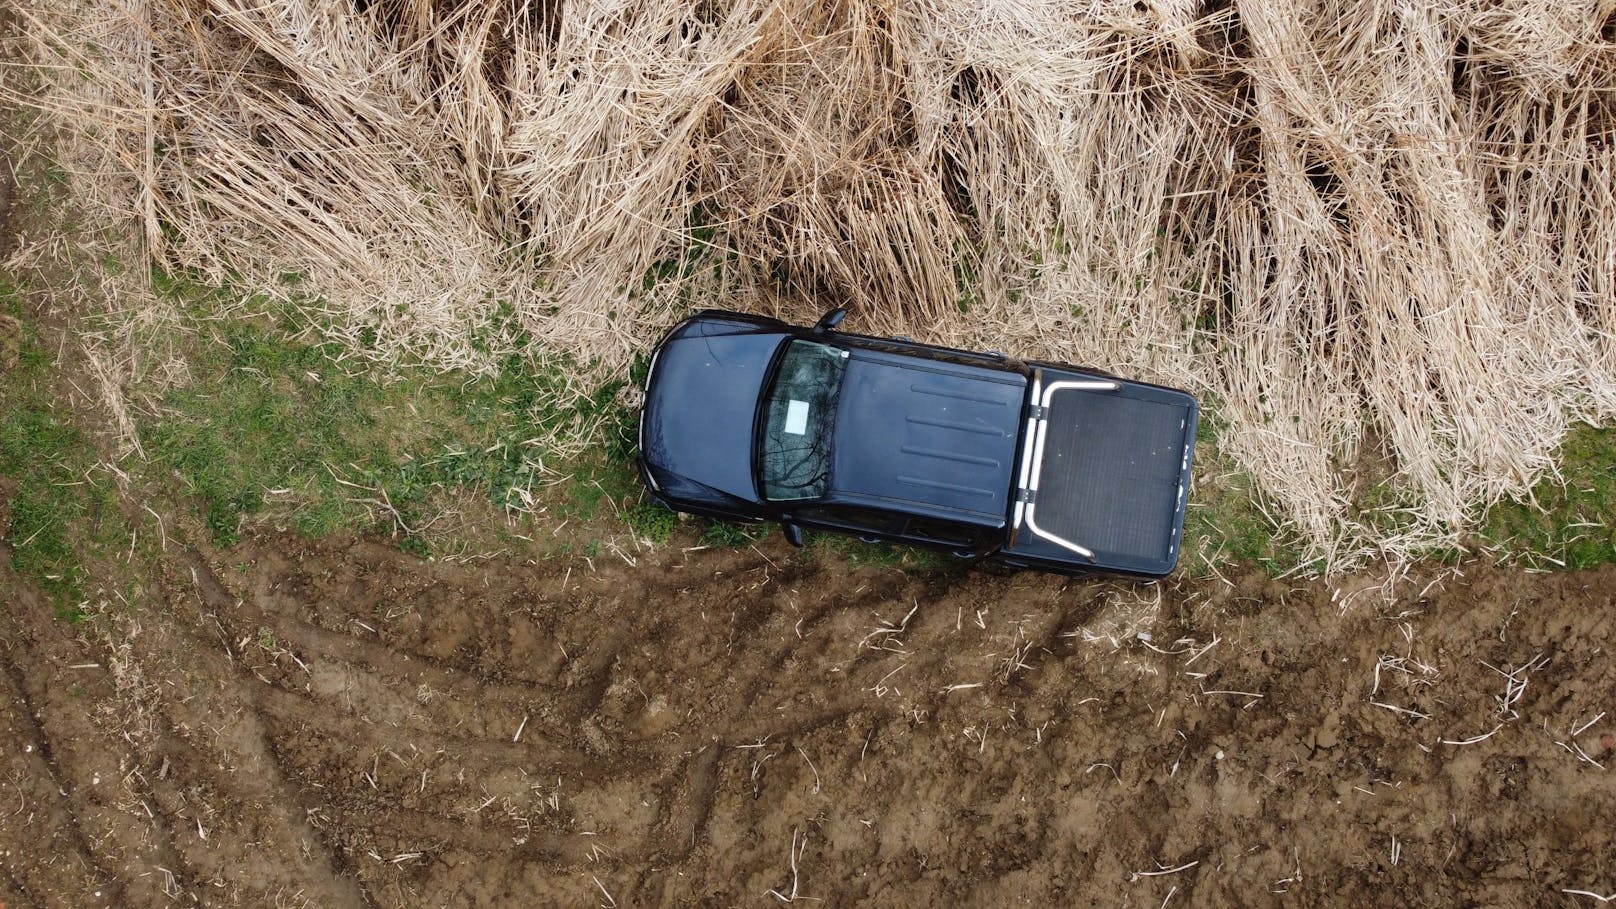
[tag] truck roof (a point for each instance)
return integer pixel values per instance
(929, 437)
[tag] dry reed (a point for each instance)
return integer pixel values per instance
(1379, 237)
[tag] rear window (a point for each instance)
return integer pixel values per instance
(798, 421)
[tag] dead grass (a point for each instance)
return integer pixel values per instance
(1370, 231)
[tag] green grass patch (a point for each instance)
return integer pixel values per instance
(56, 505)
(40, 455)
(1571, 525)
(651, 521)
(1224, 522)
(272, 426)
(731, 535)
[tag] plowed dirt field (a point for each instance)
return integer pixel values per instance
(289, 723)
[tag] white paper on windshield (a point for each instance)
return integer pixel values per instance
(797, 418)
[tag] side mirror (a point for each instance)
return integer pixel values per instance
(830, 320)
(793, 533)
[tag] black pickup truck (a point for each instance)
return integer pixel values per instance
(1032, 464)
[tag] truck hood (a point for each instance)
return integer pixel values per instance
(931, 437)
(700, 400)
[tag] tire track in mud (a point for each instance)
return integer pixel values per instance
(571, 694)
(336, 735)
(687, 773)
(277, 591)
(215, 757)
(410, 828)
(315, 720)
(290, 713)
(329, 662)
(672, 730)
(410, 668)
(27, 677)
(127, 859)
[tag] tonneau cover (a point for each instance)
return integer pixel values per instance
(1114, 474)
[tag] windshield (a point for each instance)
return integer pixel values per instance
(798, 418)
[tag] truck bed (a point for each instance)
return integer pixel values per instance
(1108, 471)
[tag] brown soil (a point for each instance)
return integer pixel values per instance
(339, 724)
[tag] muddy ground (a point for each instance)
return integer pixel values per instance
(290, 723)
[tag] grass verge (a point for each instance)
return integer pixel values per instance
(288, 431)
(55, 503)
(1566, 523)
(275, 431)
(1224, 525)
